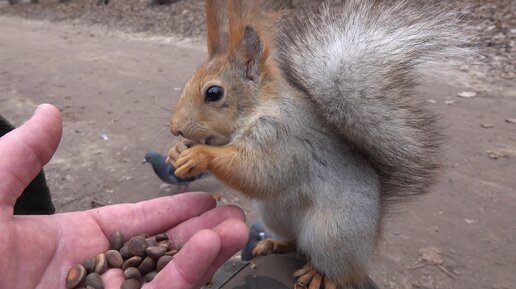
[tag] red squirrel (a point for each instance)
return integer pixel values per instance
(312, 114)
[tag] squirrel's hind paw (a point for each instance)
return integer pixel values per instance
(308, 278)
(268, 246)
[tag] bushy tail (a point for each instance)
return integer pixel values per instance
(359, 66)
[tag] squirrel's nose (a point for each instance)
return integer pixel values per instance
(175, 131)
(174, 128)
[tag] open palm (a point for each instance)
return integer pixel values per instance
(37, 251)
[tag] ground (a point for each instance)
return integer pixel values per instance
(115, 89)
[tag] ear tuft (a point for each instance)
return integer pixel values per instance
(217, 27)
(250, 52)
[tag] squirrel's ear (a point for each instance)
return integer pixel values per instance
(250, 52)
(216, 26)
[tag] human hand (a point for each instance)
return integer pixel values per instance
(37, 251)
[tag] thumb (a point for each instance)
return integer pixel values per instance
(25, 150)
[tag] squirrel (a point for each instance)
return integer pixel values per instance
(312, 113)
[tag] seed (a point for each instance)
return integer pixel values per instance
(116, 240)
(132, 262)
(94, 280)
(137, 246)
(124, 251)
(146, 266)
(131, 284)
(166, 244)
(75, 276)
(114, 259)
(150, 276)
(161, 237)
(132, 273)
(89, 264)
(100, 263)
(171, 253)
(163, 261)
(151, 242)
(155, 252)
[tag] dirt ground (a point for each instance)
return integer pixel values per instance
(115, 89)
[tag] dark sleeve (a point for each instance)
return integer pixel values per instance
(35, 199)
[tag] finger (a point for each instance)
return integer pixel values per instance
(194, 171)
(183, 171)
(152, 216)
(173, 154)
(233, 234)
(181, 161)
(113, 278)
(181, 146)
(181, 233)
(188, 269)
(25, 150)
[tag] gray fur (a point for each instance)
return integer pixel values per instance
(322, 193)
(358, 65)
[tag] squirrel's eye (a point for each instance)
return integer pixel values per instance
(214, 93)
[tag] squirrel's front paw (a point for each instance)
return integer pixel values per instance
(175, 151)
(192, 162)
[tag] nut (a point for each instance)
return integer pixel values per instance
(94, 280)
(146, 265)
(151, 242)
(131, 284)
(166, 244)
(163, 261)
(132, 262)
(132, 273)
(161, 237)
(75, 276)
(124, 251)
(141, 258)
(155, 252)
(89, 264)
(100, 263)
(150, 276)
(114, 259)
(137, 246)
(116, 240)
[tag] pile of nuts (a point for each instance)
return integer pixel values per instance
(141, 258)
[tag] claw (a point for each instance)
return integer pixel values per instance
(307, 276)
(302, 271)
(316, 282)
(329, 284)
(184, 170)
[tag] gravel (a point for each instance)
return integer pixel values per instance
(495, 22)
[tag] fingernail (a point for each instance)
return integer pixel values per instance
(38, 108)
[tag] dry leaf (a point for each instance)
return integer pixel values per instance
(467, 94)
(492, 154)
(469, 221)
(431, 255)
